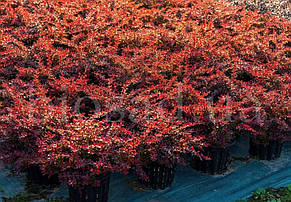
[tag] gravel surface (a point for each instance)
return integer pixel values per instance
(281, 8)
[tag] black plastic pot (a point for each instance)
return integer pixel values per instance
(91, 193)
(35, 175)
(220, 158)
(270, 151)
(160, 176)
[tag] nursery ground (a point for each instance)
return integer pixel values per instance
(245, 176)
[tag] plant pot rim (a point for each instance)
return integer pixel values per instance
(97, 177)
(268, 141)
(157, 163)
(222, 146)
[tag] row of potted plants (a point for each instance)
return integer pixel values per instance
(119, 86)
(80, 149)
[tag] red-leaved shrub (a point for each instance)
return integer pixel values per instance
(96, 86)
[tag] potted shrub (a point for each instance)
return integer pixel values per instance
(217, 153)
(212, 120)
(216, 122)
(266, 118)
(219, 136)
(156, 154)
(29, 118)
(89, 150)
(164, 140)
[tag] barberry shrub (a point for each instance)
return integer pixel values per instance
(197, 68)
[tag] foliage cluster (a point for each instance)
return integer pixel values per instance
(89, 87)
(280, 194)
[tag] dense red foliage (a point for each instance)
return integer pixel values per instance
(102, 86)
